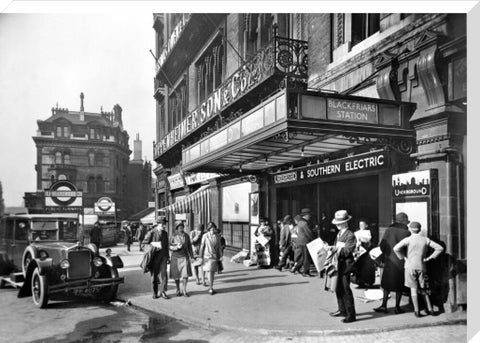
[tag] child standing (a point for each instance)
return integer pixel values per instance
(415, 268)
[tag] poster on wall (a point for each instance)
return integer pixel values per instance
(416, 194)
(235, 202)
(254, 209)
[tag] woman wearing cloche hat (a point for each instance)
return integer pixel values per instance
(180, 267)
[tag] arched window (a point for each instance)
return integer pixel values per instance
(66, 159)
(91, 185)
(100, 185)
(91, 158)
(58, 157)
(66, 132)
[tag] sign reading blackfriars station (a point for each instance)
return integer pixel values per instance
(359, 163)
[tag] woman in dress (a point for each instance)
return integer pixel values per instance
(265, 232)
(196, 239)
(365, 274)
(211, 253)
(180, 267)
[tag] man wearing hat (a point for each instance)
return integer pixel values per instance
(393, 276)
(345, 245)
(157, 238)
(305, 236)
(415, 247)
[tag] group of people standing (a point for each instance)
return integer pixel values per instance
(202, 250)
(404, 256)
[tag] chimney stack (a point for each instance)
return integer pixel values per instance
(82, 110)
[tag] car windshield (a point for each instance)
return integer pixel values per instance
(44, 231)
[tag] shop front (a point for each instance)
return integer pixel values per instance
(307, 149)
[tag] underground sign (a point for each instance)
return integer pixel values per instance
(63, 194)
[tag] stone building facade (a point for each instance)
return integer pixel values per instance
(265, 114)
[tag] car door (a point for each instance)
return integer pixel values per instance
(20, 240)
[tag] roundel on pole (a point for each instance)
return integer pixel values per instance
(104, 203)
(63, 193)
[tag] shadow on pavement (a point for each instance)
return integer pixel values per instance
(250, 278)
(256, 287)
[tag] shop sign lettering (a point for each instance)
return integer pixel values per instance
(176, 181)
(240, 83)
(352, 111)
(364, 162)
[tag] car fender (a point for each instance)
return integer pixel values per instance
(114, 261)
(45, 265)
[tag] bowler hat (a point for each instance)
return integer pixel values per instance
(402, 217)
(415, 227)
(341, 216)
(306, 211)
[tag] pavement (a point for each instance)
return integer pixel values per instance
(268, 302)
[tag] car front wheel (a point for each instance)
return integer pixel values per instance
(108, 293)
(39, 289)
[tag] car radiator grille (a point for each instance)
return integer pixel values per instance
(79, 264)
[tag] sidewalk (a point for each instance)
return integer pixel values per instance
(266, 301)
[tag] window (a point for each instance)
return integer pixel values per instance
(21, 230)
(66, 159)
(58, 157)
(59, 131)
(66, 132)
(209, 70)
(178, 104)
(91, 185)
(99, 159)
(91, 159)
(363, 26)
(100, 185)
(256, 33)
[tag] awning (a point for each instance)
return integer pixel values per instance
(148, 219)
(196, 202)
(142, 214)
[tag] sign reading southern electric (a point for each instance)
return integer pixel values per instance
(364, 162)
(352, 111)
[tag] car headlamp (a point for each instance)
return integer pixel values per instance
(64, 264)
(97, 262)
(42, 254)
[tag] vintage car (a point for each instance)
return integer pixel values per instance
(52, 261)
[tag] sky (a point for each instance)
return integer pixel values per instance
(100, 48)
(47, 59)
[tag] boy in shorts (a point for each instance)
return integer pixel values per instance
(415, 269)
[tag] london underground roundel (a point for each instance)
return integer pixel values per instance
(63, 193)
(104, 203)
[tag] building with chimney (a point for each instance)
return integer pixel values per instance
(86, 148)
(139, 180)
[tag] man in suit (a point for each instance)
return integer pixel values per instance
(96, 236)
(344, 245)
(305, 236)
(158, 240)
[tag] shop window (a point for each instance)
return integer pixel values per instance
(363, 26)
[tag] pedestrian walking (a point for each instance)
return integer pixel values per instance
(128, 234)
(393, 276)
(157, 238)
(211, 253)
(196, 240)
(344, 247)
(364, 266)
(297, 251)
(413, 250)
(328, 232)
(223, 245)
(180, 267)
(285, 244)
(96, 236)
(305, 236)
(141, 232)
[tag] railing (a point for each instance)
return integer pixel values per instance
(283, 56)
